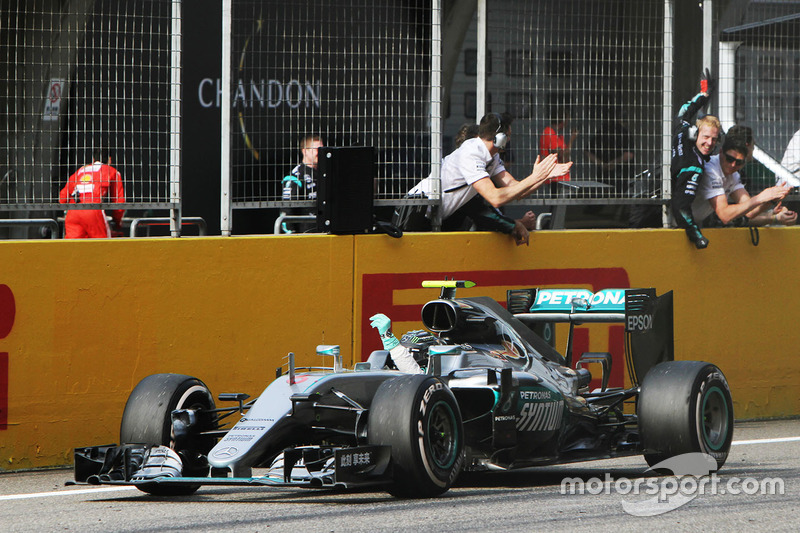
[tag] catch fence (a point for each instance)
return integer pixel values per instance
(401, 76)
(84, 80)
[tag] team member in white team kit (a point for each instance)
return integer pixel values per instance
(474, 172)
(791, 157)
(721, 183)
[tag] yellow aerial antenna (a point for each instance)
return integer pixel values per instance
(448, 287)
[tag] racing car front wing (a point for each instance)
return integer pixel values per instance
(318, 467)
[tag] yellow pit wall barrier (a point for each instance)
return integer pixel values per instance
(81, 322)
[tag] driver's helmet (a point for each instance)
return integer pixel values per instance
(417, 342)
(511, 348)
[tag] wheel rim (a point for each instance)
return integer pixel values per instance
(715, 418)
(195, 397)
(443, 435)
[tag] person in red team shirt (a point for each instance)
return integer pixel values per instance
(91, 184)
(552, 142)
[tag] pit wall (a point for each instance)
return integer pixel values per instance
(81, 322)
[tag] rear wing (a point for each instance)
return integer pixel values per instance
(647, 318)
(567, 305)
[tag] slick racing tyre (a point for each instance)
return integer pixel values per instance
(419, 418)
(147, 419)
(685, 407)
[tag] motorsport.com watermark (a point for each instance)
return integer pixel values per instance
(693, 475)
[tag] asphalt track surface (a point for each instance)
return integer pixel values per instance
(764, 454)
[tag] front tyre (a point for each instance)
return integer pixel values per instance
(418, 416)
(685, 407)
(147, 419)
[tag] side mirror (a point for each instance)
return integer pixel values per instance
(435, 354)
(331, 349)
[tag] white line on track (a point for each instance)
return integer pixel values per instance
(765, 441)
(66, 492)
(70, 492)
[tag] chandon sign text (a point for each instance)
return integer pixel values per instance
(262, 93)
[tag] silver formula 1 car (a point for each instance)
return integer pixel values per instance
(495, 395)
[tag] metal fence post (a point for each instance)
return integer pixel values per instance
(226, 211)
(666, 110)
(436, 107)
(175, 121)
(480, 89)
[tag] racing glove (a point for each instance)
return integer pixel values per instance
(384, 326)
(707, 83)
(291, 187)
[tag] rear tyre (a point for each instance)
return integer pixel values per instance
(147, 418)
(685, 407)
(418, 416)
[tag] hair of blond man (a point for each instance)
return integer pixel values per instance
(708, 120)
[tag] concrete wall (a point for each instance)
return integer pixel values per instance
(81, 322)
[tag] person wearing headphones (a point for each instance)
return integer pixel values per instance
(474, 173)
(692, 147)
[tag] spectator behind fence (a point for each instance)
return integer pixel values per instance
(721, 184)
(301, 182)
(610, 150)
(474, 172)
(791, 157)
(692, 146)
(552, 142)
(466, 131)
(91, 184)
